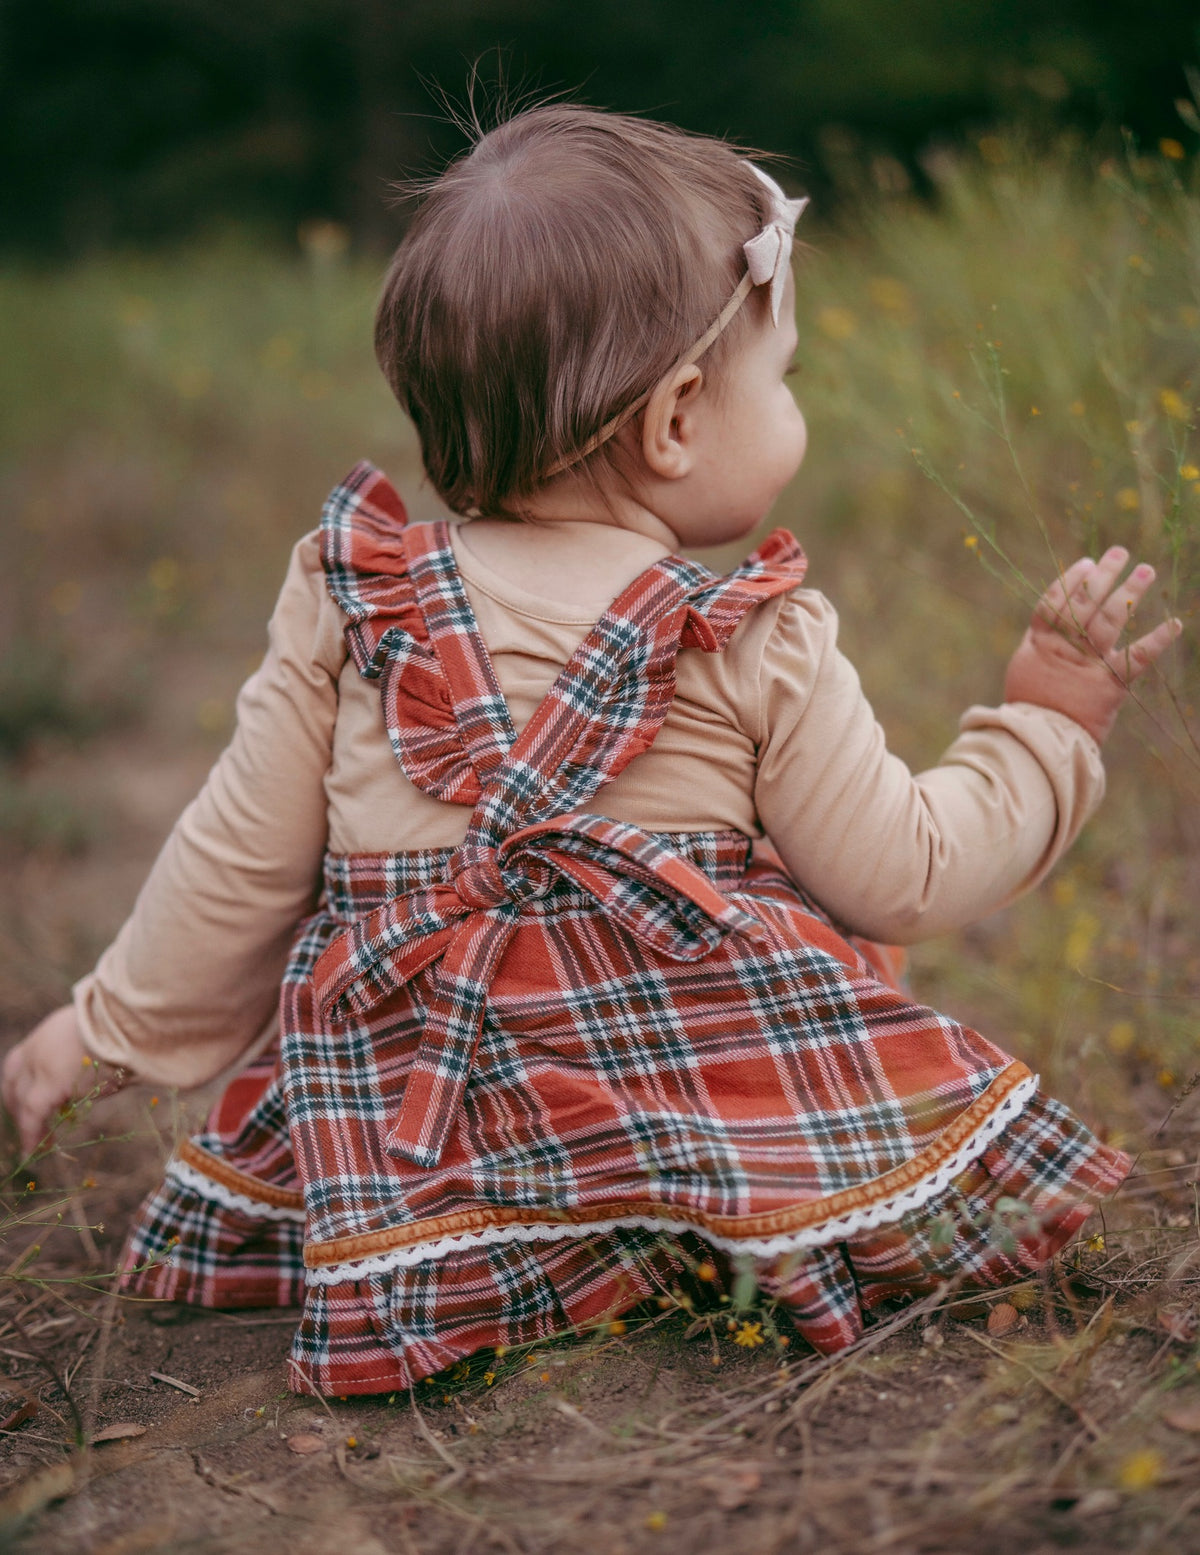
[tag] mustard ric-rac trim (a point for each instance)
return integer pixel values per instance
(795, 1217)
(236, 1181)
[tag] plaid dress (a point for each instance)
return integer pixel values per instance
(525, 1083)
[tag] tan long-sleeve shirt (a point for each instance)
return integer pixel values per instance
(774, 735)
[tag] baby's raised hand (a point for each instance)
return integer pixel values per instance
(1069, 658)
(42, 1073)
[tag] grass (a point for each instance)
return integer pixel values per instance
(994, 383)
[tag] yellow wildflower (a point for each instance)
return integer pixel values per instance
(1172, 404)
(837, 323)
(1189, 472)
(488, 1378)
(1165, 1078)
(616, 1327)
(656, 1522)
(971, 542)
(1128, 500)
(1095, 1242)
(352, 1441)
(1171, 149)
(706, 1271)
(1142, 1470)
(1121, 1036)
(749, 1335)
(889, 294)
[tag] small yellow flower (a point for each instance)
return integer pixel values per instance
(889, 294)
(656, 1522)
(1189, 472)
(837, 323)
(1172, 404)
(544, 1377)
(87, 1058)
(488, 1378)
(1034, 411)
(31, 1185)
(1121, 1036)
(616, 1327)
(352, 1441)
(1141, 1470)
(971, 542)
(1165, 1078)
(1128, 500)
(1095, 1242)
(89, 1182)
(1136, 262)
(154, 1101)
(706, 1271)
(749, 1335)
(1171, 149)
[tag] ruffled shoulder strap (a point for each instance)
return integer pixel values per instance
(716, 607)
(367, 549)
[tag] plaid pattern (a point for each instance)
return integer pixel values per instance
(526, 1082)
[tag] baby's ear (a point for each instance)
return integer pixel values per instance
(667, 424)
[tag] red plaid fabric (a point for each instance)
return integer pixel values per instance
(524, 1083)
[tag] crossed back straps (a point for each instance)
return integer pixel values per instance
(411, 627)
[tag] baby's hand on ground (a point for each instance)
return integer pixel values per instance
(1069, 659)
(41, 1073)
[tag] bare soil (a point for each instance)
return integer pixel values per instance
(1078, 1428)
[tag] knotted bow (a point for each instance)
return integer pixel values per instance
(769, 252)
(467, 921)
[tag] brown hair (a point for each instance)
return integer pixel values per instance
(549, 279)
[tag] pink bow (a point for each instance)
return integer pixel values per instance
(769, 254)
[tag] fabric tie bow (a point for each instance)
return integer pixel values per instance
(467, 920)
(769, 253)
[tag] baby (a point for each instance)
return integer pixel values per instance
(527, 1030)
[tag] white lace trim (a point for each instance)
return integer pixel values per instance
(833, 1230)
(208, 1187)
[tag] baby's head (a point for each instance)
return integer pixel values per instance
(549, 279)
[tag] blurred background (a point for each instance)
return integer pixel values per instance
(999, 312)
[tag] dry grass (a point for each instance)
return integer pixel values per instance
(176, 423)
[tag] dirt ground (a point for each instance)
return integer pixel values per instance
(1070, 1420)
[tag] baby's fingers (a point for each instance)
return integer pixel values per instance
(1060, 602)
(1130, 662)
(1114, 614)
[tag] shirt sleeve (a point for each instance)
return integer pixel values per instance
(192, 979)
(890, 855)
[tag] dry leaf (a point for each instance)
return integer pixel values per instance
(118, 1433)
(15, 1409)
(305, 1442)
(733, 1489)
(1184, 1417)
(1002, 1319)
(1178, 1323)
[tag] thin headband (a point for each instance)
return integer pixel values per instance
(768, 257)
